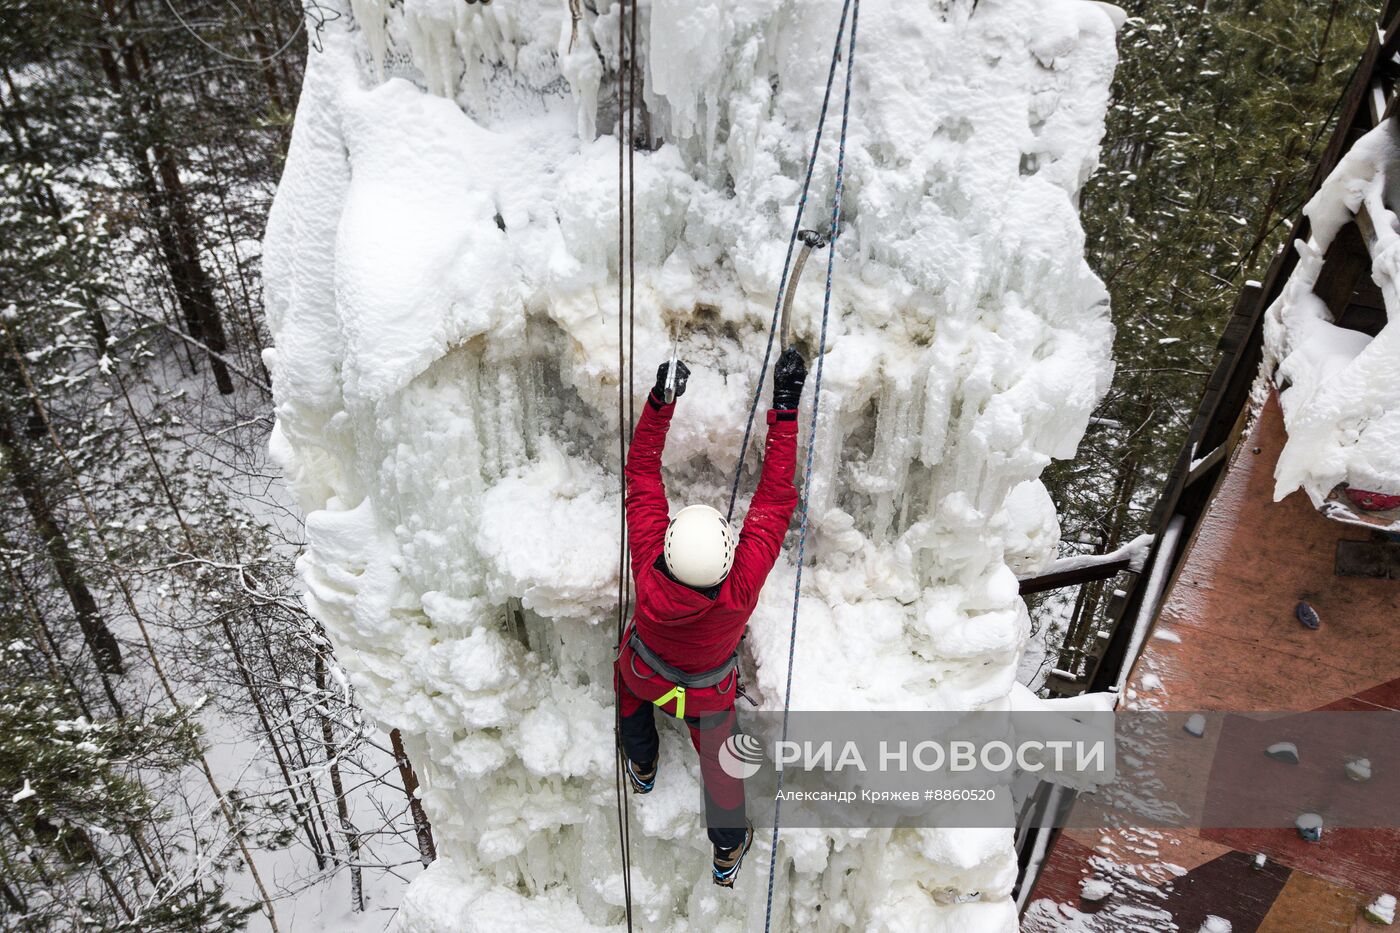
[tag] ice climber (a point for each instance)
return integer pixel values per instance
(696, 588)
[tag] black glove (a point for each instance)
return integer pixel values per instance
(788, 376)
(658, 392)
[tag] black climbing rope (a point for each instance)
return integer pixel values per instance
(626, 308)
(834, 231)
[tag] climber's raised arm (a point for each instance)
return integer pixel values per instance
(647, 510)
(696, 588)
(770, 510)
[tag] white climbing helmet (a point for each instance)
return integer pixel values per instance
(699, 546)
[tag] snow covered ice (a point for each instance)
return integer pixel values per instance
(1382, 910)
(1341, 400)
(441, 271)
(1095, 889)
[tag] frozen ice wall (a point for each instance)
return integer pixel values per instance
(441, 282)
(1340, 395)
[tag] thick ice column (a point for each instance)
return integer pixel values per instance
(442, 289)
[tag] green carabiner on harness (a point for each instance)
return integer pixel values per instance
(678, 694)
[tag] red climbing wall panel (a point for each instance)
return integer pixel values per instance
(1233, 644)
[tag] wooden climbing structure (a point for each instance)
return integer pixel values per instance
(1208, 624)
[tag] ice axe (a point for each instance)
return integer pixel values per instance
(671, 376)
(811, 240)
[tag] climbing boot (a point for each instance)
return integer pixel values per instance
(642, 778)
(727, 861)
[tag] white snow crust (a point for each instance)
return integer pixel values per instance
(1341, 404)
(441, 271)
(1135, 552)
(1095, 889)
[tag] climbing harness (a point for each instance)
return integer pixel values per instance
(854, 7)
(679, 680)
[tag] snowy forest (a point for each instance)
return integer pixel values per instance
(190, 741)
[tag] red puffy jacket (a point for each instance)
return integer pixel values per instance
(686, 628)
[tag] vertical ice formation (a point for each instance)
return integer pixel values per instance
(1341, 401)
(441, 282)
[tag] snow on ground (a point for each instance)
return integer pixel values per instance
(441, 283)
(1341, 403)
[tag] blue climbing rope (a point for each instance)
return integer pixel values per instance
(783, 283)
(812, 428)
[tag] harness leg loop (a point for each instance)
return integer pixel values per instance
(676, 693)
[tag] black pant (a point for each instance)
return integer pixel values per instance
(640, 742)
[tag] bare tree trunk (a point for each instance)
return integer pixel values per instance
(31, 851)
(106, 653)
(163, 192)
(302, 810)
(144, 855)
(352, 837)
(264, 50)
(248, 303)
(1123, 499)
(58, 665)
(12, 897)
(108, 881)
(199, 293)
(1266, 216)
(427, 849)
(1070, 649)
(12, 111)
(1322, 43)
(312, 793)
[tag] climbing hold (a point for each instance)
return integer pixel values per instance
(1359, 769)
(1309, 827)
(1373, 501)
(1307, 615)
(1283, 751)
(1196, 725)
(1382, 910)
